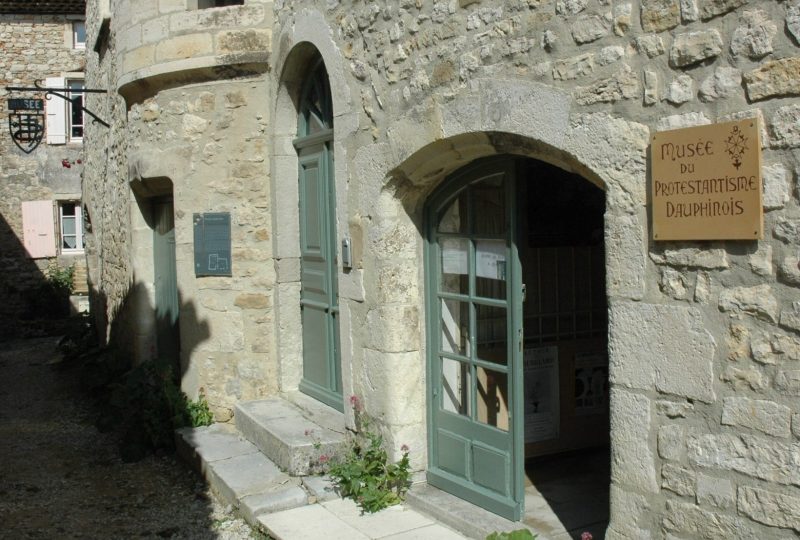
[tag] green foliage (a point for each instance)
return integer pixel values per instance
(50, 298)
(147, 405)
(198, 411)
(61, 278)
(521, 534)
(365, 473)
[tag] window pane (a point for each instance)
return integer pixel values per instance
(68, 225)
(455, 327)
(493, 398)
(69, 242)
(79, 33)
(490, 268)
(455, 386)
(454, 218)
(455, 265)
(492, 328)
(488, 198)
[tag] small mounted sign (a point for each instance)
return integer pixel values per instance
(26, 122)
(706, 182)
(212, 244)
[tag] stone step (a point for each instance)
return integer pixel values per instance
(283, 432)
(466, 518)
(240, 475)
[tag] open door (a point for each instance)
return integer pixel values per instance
(474, 339)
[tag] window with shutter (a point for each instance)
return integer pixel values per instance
(38, 229)
(56, 113)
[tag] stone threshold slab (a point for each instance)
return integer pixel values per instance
(470, 520)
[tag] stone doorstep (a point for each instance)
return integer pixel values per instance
(243, 477)
(284, 433)
(470, 520)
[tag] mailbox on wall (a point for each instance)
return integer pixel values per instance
(212, 244)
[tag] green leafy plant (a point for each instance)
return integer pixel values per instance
(521, 534)
(365, 473)
(50, 298)
(146, 404)
(60, 278)
(198, 411)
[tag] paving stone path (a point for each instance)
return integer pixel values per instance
(61, 478)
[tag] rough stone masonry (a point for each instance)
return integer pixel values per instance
(704, 337)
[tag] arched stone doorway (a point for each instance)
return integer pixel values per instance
(517, 336)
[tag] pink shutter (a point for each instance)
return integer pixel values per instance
(38, 228)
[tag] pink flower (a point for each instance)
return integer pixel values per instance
(324, 459)
(586, 535)
(404, 448)
(355, 403)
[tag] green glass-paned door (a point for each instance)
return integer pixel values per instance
(166, 281)
(319, 304)
(474, 331)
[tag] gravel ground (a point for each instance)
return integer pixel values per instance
(61, 478)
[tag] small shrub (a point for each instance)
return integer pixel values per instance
(365, 473)
(50, 298)
(521, 534)
(146, 405)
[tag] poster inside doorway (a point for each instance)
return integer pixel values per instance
(591, 383)
(540, 367)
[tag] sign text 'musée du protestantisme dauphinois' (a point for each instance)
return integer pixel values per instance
(706, 182)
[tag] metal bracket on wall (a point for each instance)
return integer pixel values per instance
(26, 116)
(58, 92)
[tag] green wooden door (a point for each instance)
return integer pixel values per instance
(474, 339)
(166, 282)
(319, 303)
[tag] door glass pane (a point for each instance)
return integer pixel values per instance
(455, 386)
(455, 327)
(492, 336)
(492, 398)
(454, 217)
(455, 267)
(490, 268)
(488, 199)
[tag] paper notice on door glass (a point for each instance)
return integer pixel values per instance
(490, 259)
(454, 257)
(540, 367)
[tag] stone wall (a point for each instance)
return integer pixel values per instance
(32, 47)
(198, 135)
(704, 337)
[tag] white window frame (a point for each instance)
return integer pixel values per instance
(76, 43)
(78, 216)
(70, 137)
(59, 112)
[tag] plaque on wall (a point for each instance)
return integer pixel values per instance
(212, 244)
(706, 182)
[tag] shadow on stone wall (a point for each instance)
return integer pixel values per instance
(30, 302)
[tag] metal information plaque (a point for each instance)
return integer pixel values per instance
(212, 244)
(706, 182)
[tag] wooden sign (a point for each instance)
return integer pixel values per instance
(706, 182)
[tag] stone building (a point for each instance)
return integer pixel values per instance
(40, 209)
(442, 207)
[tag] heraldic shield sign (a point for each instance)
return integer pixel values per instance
(26, 123)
